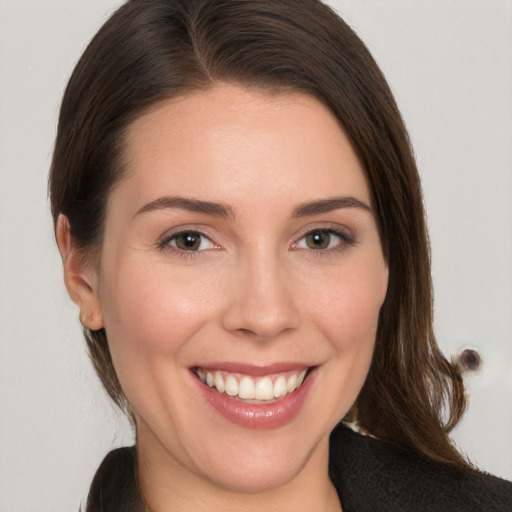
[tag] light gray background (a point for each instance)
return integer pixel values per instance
(449, 63)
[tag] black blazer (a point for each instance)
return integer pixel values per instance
(373, 476)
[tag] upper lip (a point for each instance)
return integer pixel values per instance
(254, 370)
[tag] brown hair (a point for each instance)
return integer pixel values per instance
(149, 51)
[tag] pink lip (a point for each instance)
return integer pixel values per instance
(257, 416)
(254, 370)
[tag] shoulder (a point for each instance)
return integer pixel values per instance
(373, 475)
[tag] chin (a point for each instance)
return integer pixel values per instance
(258, 462)
(251, 476)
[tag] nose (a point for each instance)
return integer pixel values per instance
(262, 301)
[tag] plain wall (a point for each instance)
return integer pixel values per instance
(449, 63)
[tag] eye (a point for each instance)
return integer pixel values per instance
(189, 241)
(323, 239)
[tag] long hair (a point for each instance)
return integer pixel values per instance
(150, 51)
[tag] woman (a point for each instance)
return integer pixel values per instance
(240, 220)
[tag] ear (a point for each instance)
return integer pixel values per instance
(79, 276)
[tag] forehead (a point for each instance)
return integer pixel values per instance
(229, 141)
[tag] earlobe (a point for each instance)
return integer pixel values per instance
(80, 279)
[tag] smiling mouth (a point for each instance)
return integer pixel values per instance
(258, 390)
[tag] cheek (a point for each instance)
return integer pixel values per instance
(150, 314)
(348, 316)
(347, 306)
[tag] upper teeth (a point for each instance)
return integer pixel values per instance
(250, 388)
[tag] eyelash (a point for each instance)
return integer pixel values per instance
(345, 239)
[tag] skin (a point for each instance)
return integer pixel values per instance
(255, 291)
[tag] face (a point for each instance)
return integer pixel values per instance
(240, 284)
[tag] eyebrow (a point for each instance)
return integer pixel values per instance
(329, 205)
(191, 205)
(226, 211)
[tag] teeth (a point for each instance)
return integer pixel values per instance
(231, 386)
(264, 389)
(291, 383)
(247, 388)
(219, 382)
(280, 387)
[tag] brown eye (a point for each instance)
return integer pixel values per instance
(324, 240)
(190, 241)
(318, 240)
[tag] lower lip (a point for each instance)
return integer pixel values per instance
(258, 416)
